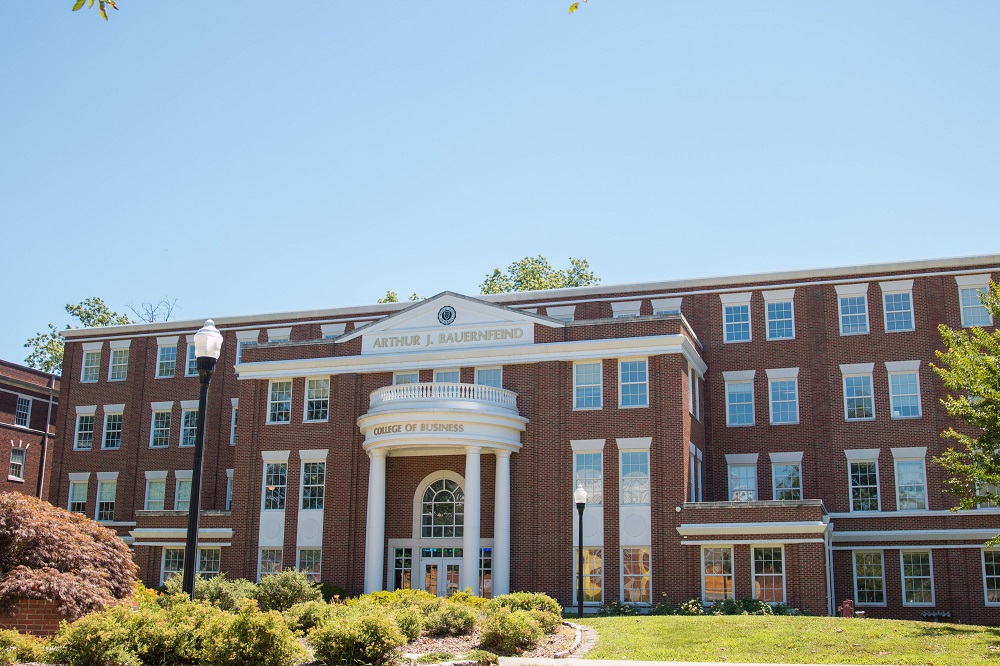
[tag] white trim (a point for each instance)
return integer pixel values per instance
(896, 286)
(747, 542)
(909, 452)
(155, 476)
(235, 401)
(778, 295)
(622, 309)
(978, 280)
(248, 336)
(189, 404)
(305, 398)
(725, 529)
(588, 445)
(738, 375)
(107, 476)
(204, 533)
(632, 443)
(933, 512)
(274, 456)
(738, 298)
(902, 366)
(562, 313)
(86, 410)
(229, 473)
(890, 536)
(313, 455)
(93, 346)
(854, 576)
(645, 361)
(902, 577)
(785, 458)
(782, 373)
(851, 289)
(270, 392)
(982, 560)
(167, 341)
(279, 334)
(79, 476)
(742, 458)
(330, 331)
(784, 570)
(183, 474)
(120, 344)
(600, 377)
(114, 409)
(861, 455)
(857, 369)
(162, 406)
(666, 304)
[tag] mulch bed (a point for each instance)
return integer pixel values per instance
(549, 646)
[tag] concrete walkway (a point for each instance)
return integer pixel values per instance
(518, 661)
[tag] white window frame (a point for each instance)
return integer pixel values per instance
(898, 368)
(854, 576)
(857, 370)
(103, 483)
(279, 334)
(782, 375)
(667, 306)
(23, 399)
(986, 589)
(229, 489)
(331, 331)
(853, 290)
(190, 358)
(695, 465)
(160, 408)
(302, 482)
(908, 455)
(271, 401)
(198, 562)
(745, 460)
(788, 459)
(784, 567)
(576, 574)
(621, 573)
(396, 376)
(11, 471)
(624, 309)
(263, 487)
(163, 563)
(621, 382)
(233, 421)
(109, 411)
(91, 350)
(690, 374)
(163, 344)
(260, 560)
(893, 289)
(561, 312)
(182, 476)
(498, 368)
(978, 282)
(305, 403)
(78, 480)
(245, 339)
(736, 301)
(633, 445)
(902, 575)
(739, 377)
(319, 569)
(118, 348)
(451, 371)
(83, 411)
(592, 447)
(155, 478)
(697, 398)
(599, 385)
(863, 456)
(778, 297)
(731, 593)
(188, 408)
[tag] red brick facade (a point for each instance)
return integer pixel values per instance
(28, 400)
(39, 617)
(814, 536)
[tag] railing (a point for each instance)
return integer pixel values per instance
(444, 391)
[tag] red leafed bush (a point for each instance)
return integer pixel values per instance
(49, 553)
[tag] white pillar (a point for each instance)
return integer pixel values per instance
(470, 542)
(375, 526)
(501, 525)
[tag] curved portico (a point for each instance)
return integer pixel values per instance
(430, 419)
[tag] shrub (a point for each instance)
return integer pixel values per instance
(227, 594)
(252, 637)
(49, 553)
(100, 639)
(755, 607)
(435, 657)
(662, 607)
(410, 621)
(466, 597)
(300, 618)
(783, 609)
(425, 602)
(691, 607)
(15, 647)
(360, 636)
(508, 632)
(283, 590)
(616, 608)
(525, 601)
(547, 622)
(331, 592)
(726, 607)
(484, 658)
(451, 619)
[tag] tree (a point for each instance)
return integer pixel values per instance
(47, 348)
(969, 369)
(393, 297)
(149, 312)
(102, 6)
(533, 273)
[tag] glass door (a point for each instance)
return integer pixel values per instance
(442, 570)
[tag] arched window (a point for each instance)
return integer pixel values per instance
(443, 510)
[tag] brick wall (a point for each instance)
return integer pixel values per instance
(38, 617)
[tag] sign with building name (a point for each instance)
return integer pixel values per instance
(391, 342)
(402, 428)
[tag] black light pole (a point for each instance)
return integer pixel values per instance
(580, 497)
(207, 345)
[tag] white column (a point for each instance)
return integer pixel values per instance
(501, 525)
(470, 542)
(375, 526)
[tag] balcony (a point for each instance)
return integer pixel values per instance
(468, 396)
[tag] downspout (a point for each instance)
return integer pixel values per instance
(45, 440)
(828, 545)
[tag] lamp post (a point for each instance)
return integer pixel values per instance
(207, 347)
(580, 497)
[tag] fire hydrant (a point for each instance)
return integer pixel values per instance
(846, 608)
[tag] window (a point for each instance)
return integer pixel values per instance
(743, 482)
(904, 394)
(587, 386)
(633, 388)
(331, 331)
(737, 323)
(78, 497)
(91, 370)
(666, 306)
(16, 470)
(562, 313)
(634, 469)
(317, 399)
(309, 563)
(589, 473)
(859, 403)
(717, 574)
(486, 573)
(191, 369)
(112, 431)
(636, 575)
(279, 334)
(270, 562)
(182, 494)
(769, 574)
(739, 397)
(971, 288)
(490, 377)
(173, 563)
(84, 432)
(911, 480)
(118, 371)
(780, 311)
(786, 476)
(918, 577)
(313, 484)
(402, 569)
(991, 577)
(106, 491)
(22, 413)
(209, 562)
(275, 483)
(189, 427)
(989, 493)
(695, 463)
(280, 403)
(852, 300)
(246, 339)
(159, 432)
(621, 309)
(784, 395)
(406, 378)
(863, 467)
(447, 376)
(232, 423)
(869, 584)
(897, 305)
(156, 490)
(593, 574)
(166, 361)
(443, 510)
(229, 490)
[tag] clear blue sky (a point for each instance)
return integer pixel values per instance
(252, 156)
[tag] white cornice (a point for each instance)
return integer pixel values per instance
(161, 533)
(915, 535)
(707, 529)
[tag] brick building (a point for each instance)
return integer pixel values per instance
(28, 400)
(766, 436)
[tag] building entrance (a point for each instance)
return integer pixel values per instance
(441, 570)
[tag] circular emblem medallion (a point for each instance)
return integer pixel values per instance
(446, 315)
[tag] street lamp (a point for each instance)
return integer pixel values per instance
(580, 497)
(207, 347)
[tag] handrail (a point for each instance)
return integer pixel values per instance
(444, 391)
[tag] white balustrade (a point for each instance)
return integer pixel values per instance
(444, 391)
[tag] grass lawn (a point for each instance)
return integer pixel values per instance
(818, 640)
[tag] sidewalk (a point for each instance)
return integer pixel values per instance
(572, 661)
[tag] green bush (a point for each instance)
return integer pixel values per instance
(755, 607)
(451, 619)
(331, 592)
(508, 632)
(691, 607)
(466, 597)
(300, 618)
(228, 594)
(662, 607)
(484, 658)
(104, 638)
(525, 601)
(15, 647)
(727, 607)
(362, 635)
(783, 609)
(254, 637)
(410, 621)
(435, 657)
(283, 590)
(549, 623)
(617, 608)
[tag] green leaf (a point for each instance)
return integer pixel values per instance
(90, 3)
(78, 5)
(104, 13)
(575, 6)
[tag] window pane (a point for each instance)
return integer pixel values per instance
(868, 577)
(587, 386)
(739, 403)
(317, 399)
(787, 482)
(918, 587)
(858, 396)
(743, 483)
(769, 574)
(853, 315)
(737, 325)
(785, 401)
(864, 486)
(898, 312)
(590, 475)
(280, 410)
(275, 482)
(779, 321)
(166, 363)
(490, 377)
(974, 313)
(911, 487)
(633, 384)
(904, 395)
(636, 575)
(717, 574)
(635, 477)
